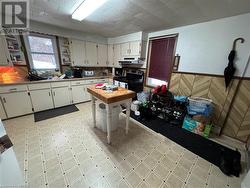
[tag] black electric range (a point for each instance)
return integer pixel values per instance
(132, 81)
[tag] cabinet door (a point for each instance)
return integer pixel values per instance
(117, 55)
(4, 53)
(125, 49)
(91, 54)
(2, 112)
(61, 96)
(87, 94)
(135, 48)
(110, 55)
(102, 55)
(77, 52)
(41, 100)
(79, 94)
(17, 103)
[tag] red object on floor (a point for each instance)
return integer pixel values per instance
(163, 89)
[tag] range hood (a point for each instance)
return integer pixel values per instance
(131, 62)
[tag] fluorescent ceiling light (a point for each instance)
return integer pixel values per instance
(86, 8)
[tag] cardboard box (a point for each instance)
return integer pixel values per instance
(196, 127)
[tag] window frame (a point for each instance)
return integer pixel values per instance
(147, 84)
(55, 49)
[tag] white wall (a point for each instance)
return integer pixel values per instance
(204, 47)
(54, 30)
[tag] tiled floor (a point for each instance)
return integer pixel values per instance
(67, 152)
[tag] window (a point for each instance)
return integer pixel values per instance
(42, 52)
(160, 59)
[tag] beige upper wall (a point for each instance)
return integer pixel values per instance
(204, 47)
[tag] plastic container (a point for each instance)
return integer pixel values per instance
(143, 96)
(135, 105)
(199, 106)
(102, 117)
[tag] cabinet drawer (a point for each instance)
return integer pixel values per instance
(60, 84)
(79, 82)
(103, 80)
(91, 81)
(39, 86)
(13, 88)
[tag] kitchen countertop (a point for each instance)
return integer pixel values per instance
(48, 81)
(111, 97)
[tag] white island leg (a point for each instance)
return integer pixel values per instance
(94, 110)
(109, 116)
(128, 105)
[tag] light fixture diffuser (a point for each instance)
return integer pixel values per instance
(86, 8)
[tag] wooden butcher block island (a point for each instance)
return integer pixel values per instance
(111, 97)
(121, 96)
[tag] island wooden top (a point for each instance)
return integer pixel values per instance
(111, 97)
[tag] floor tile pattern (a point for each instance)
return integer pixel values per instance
(67, 151)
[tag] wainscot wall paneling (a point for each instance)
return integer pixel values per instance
(186, 84)
(238, 121)
(201, 86)
(233, 118)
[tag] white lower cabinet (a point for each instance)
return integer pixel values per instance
(16, 103)
(41, 99)
(88, 95)
(18, 100)
(2, 112)
(78, 94)
(61, 96)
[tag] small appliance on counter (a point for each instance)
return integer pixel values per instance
(88, 73)
(77, 72)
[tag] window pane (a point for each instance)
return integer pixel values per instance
(40, 44)
(41, 61)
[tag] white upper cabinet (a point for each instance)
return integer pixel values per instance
(77, 52)
(135, 48)
(131, 49)
(125, 49)
(91, 54)
(4, 53)
(117, 55)
(102, 52)
(110, 55)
